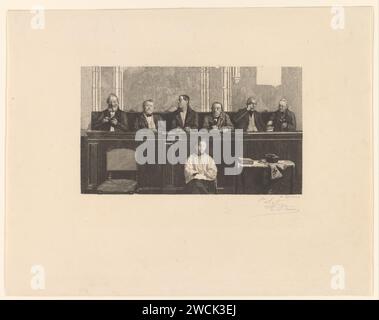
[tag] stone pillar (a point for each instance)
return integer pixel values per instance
(118, 84)
(236, 74)
(96, 88)
(204, 93)
(227, 88)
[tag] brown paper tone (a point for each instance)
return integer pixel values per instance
(187, 245)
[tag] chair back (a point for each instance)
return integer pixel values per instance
(121, 159)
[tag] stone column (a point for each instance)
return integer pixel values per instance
(96, 88)
(227, 88)
(204, 91)
(118, 84)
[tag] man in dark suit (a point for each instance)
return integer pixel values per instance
(112, 119)
(218, 119)
(248, 118)
(283, 119)
(184, 117)
(146, 119)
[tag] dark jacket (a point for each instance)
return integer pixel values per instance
(223, 121)
(122, 121)
(278, 118)
(141, 122)
(191, 120)
(241, 120)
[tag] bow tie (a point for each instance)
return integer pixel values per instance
(180, 109)
(148, 115)
(251, 112)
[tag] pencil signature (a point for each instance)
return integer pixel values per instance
(278, 204)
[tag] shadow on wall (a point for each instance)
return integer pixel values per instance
(163, 85)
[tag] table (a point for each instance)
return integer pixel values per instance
(262, 177)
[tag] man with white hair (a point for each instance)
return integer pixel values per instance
(283, 119)
(112, 118)
(200, 171)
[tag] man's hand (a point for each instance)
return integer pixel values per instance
(284, 125)
(214, 127)
(106, 119)
(187, 129)
(114, 121)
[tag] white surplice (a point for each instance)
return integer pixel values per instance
(201, 167)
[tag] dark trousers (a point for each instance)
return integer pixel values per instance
(196, 186)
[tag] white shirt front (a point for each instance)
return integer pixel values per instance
(252, 127)
(183, 116)
(150, 122)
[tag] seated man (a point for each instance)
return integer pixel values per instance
(112, 118)
(200, 171)
(184, 117)
(283, 119)
(218, 119)
(248, 118)
(146, 119)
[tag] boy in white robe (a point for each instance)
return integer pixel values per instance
(200, 171)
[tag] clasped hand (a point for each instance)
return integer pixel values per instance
(113, 121)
